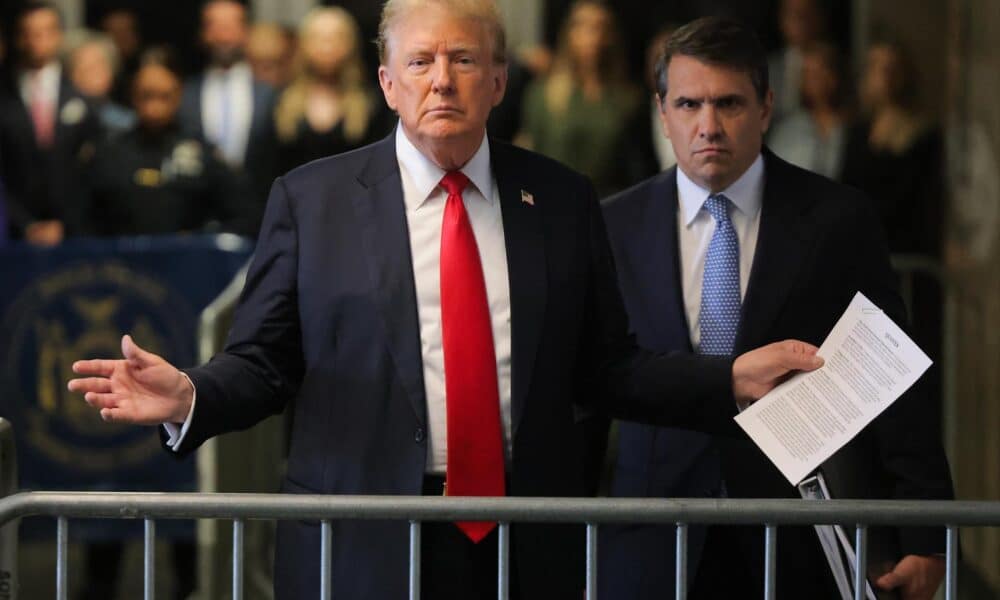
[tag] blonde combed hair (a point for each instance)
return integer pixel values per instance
(484, 11)
(356, 98)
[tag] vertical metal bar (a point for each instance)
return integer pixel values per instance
(414, 560)
(770, 558)
(860, 561)
(591, 591)
(503, 556)
(325, 549)
(8, 532)
(951, 565)
(62, 539)
(680, 568)
(149, 561)
(238, 559)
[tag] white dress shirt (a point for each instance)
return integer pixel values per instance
(424, 201)
(227, 110)
(695, 227)
(45, 82)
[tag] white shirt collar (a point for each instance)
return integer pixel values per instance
(746, 193)
(48, 78)
(240, 69)
(426, 175)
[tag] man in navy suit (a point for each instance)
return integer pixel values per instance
(47, 132)
(435, 306)
(228, 107)
(732, 249)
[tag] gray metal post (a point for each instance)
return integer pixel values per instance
(503, 552)
(770, 560)
(8, 533)
(325, 556)
(680, 568)
(238, 559)
(415, 560)
(860, 561)
(951, 565)
(62, 558)
(591, 591)
(149, 561)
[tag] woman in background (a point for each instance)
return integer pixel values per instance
(813, 136)
(329, 107)
(584, 113)
(153, 179)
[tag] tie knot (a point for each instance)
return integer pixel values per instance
(718, 206)
(454, 182)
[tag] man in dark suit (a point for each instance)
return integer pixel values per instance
(435, 306)
(47, 130)
(229, 107)
(732, 249)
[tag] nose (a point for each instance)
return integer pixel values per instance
(709, 124)
(443, 83)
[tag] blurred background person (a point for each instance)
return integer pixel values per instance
(663, 151)
(581, 113)
(122, 26)
(156, 179)
(47, 130)
(802, 23)
(93, 64)
(271, 53)
(329, 107)
(228, 107)
(813, 136)
(894, 154)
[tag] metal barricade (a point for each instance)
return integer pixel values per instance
(8, 528)
(593, 512)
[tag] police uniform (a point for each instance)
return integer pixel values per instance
(166, 182)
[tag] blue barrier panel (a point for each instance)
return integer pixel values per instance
(75, 301)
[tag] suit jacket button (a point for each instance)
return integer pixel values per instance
(418, 437)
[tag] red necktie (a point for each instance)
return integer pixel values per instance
(41, 113)
(475, 439)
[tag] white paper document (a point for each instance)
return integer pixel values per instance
(869, 363)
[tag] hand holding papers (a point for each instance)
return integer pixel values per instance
(870, 362)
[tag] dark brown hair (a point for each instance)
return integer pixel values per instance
(717, 41)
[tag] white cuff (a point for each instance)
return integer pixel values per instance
(176, 433)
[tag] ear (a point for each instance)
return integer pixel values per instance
(766, 111)
(661, 109)
(499, 83)
(388, 89)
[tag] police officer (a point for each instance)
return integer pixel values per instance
(152, 179)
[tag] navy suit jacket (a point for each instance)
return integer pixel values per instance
(46, 183)
(328, 321)
(260, 161)
(819, 243)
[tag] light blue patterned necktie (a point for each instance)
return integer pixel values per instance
(720, 288)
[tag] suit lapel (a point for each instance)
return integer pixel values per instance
(382, 215)
(661, 276)
(525, 244)
(783, 242)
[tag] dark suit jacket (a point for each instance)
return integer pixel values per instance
(46, 183)
(328, 320)
(260, 161)
(818, 244)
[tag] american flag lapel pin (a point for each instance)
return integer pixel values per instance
(527, 198)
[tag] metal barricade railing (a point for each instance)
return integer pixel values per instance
(8, 529)
(593, 512)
